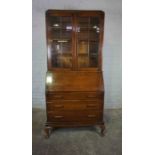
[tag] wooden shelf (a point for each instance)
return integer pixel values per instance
(88, 40)
(82, 54)
(58, 39)
(64, 54)
(60, 29)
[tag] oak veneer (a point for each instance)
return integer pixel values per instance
(75, 94)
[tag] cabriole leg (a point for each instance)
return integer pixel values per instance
(102, 126)
(47, 131)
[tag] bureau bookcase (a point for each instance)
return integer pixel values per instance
(74, 80)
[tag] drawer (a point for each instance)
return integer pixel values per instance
(74, 105)
(78, 116)
(74, 96)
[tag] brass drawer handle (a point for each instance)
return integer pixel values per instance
(49, 102)
(58, 96)
(58, 116)
(58, 106)
(91, 105)
(92, 96)
(91, 116)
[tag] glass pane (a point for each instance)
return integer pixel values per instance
(60, 29)
(88, 41)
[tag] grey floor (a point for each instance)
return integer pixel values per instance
(78, 141)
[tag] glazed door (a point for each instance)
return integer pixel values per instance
(60, 40)
(89, 39)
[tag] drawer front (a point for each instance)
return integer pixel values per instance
(74, 105)
(74, 96)
(78, 116)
